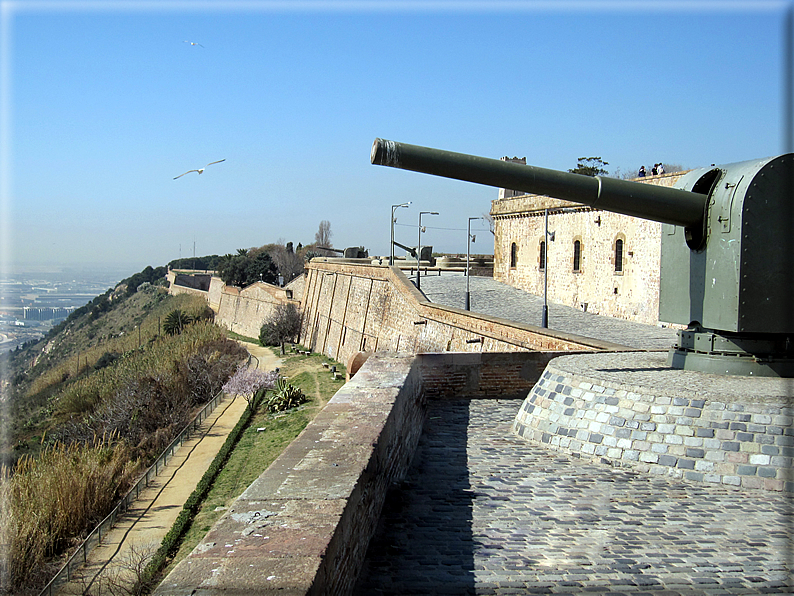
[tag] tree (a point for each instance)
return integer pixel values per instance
(289, 263)
(590, 166)
(247, 267)
(323, 236)
(282, 325)
(247, 382)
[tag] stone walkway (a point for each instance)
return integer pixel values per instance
(496, 299)
(484, 512)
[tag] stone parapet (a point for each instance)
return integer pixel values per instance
(303, 527)
(632, 410)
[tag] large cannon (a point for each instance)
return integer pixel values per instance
(727, 245)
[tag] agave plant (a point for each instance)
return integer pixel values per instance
(285, 396)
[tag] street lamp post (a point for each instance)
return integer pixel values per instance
(469, 240)
(544, 319)
(548, 237)
(419, 248)
(391, 245)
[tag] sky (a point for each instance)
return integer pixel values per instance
(104, 103)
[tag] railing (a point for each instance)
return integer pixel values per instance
(80, 556)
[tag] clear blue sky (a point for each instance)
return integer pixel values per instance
(104, 103)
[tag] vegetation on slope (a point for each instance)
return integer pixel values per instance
(91, 406)
(75, 350)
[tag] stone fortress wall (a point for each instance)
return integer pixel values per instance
(349, 308)
(632, 293)
(242, 310)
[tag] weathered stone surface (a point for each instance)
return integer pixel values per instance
(302, 527)
(482, 511)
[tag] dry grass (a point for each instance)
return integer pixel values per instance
(89, 352)
(51, 500)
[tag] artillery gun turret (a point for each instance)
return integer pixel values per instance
(727, 234)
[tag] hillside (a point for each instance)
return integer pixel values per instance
(123, 319)
(90, 406)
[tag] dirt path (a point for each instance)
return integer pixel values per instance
(267, 359)
(141, 530)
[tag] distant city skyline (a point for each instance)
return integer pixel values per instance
(104, 103)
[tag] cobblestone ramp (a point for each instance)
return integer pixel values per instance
(484, 512)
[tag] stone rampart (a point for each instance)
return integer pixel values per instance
(216, 292)
(632, 410)
(243, 310)
(349, 308)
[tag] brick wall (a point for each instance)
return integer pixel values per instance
(349, 308)
(632, 294)
(482, 374)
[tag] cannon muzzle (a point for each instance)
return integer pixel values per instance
(657, 203)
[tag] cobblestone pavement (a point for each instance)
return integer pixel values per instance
(496, 299)
(484, 512)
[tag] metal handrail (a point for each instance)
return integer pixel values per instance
(95, 537)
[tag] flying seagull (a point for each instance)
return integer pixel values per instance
(193, 43)
(200, 170)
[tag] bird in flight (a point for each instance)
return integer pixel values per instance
(200, 170)
(193, 43)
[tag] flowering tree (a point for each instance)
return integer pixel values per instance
(246, 382)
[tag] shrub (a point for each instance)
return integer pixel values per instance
(176, 321)
(106, 359)
(50, 501)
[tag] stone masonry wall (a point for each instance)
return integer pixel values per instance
(349, 308)
(632, 410)
(244, 310)
(304, 525)
(631, 294)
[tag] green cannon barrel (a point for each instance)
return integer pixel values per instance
(657, 203)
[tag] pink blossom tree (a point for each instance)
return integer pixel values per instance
(246, 382)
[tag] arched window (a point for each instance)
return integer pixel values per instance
(619, 255)
(542, 255)
(577, 255)
(513, 255)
